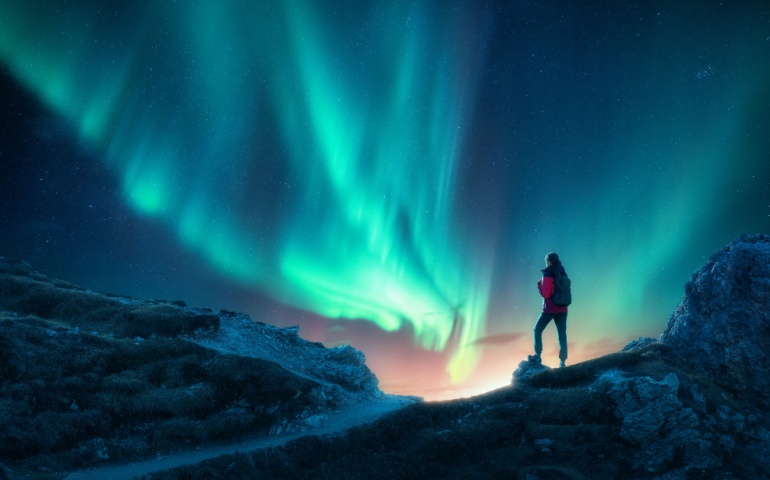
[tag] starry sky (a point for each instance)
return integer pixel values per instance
(388, 174)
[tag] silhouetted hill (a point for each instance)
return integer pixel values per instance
(88, 378)
(692, 404)
(686, 406)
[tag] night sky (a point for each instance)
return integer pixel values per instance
(388, 174)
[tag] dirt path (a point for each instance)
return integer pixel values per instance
(335, 422)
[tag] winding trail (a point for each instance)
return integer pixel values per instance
(334, 422)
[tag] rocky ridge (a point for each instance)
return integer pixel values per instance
(341, 371)
(688, 405)
(88, 378)
(721, 329)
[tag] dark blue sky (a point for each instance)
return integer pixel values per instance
(387, 174)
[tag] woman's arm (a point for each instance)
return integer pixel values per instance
(545, 286)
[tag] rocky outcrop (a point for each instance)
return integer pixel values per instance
(722, 326)
(656, 421)
(350, 369)
(341, 371)
(703, 406)
(527, 369)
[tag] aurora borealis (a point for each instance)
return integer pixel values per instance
(389, 174)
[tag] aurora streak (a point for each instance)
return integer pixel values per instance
(366, 226)
(393, 162)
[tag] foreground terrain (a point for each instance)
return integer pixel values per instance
(88, 379)
(692, 404)
(559, 424)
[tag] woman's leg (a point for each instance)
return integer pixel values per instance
(561, 328)
(542, 322)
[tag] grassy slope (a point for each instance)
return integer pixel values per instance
(69, 397)
(502, 434)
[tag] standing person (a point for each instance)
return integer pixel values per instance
(551, 311)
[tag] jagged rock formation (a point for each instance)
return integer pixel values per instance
(720, 331)
(722, 326)
(657, 422)
(341, 371)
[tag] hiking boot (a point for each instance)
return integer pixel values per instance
(534, 358)
(561, 364)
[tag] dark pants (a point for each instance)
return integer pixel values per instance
(560, 319)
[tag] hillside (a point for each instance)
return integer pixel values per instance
(88, 379)
(692, 404)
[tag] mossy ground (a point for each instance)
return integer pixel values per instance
(91, 312)
(555, 426)
(84, 376)
(136, 388)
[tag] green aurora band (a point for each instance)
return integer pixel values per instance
(324, 152)
(174, 104)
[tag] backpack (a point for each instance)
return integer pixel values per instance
(562, 291)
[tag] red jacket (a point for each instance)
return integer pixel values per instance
(545, 287)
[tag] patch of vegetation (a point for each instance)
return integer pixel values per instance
(558, 426)
(70, 399)
(145, 321)
(95, 312)
(87, 378)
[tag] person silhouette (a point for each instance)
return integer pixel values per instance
(551, 311)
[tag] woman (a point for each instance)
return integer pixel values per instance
(551, 311)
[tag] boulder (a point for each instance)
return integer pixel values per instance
(527, 369)
(657, 423)
(722, 326)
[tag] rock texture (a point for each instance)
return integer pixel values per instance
(692, 404)
(341, 371)
(722, 326)
(658, 423)
(710, 415)
(526, 369)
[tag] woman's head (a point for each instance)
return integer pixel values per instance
(552, 259)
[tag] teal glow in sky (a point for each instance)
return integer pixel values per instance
(409, 164)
